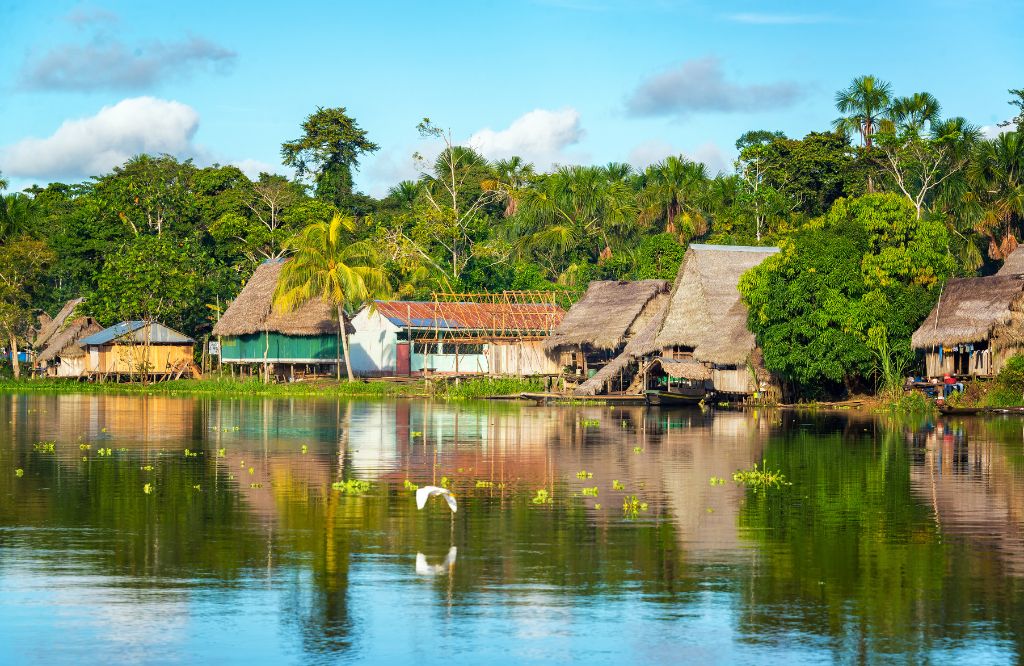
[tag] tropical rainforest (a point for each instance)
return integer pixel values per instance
(873, 213)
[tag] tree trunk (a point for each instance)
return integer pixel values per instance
(344, 345)
(15, 367)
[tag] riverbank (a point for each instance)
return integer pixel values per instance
(443, 388)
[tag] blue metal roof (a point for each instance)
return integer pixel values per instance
(132, 331)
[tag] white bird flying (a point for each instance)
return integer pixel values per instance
(424, 569)
(426, 492)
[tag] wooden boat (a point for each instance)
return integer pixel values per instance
(960, 411)
(610, 399)
(667, 398)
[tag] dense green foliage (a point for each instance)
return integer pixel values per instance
(845, 287)
(874, 213)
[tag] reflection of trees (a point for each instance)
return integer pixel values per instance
(854, 558)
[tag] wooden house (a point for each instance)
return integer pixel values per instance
(976, 325)
(501, 336)
(252, 334)
(597, 328)
(136, 348)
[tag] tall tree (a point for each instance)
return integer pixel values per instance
(675, 193)
(915, 114)
(150, 194)
(23, 263)
(327, 261)
(864, 103)
(996, 172)
(328, 152)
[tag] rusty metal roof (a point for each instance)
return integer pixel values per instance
(500, 318)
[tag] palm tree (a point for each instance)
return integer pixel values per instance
(674, 188)
(864, 103)
(561, 216)
(996, 172)
(18, 214)
(329, 262)
(909, 115)
(3, 183)
(511, 177)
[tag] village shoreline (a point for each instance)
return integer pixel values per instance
(443, 388)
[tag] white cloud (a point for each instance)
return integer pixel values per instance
(540, 136)
(992, 131)
(253, 168)
(647, 153)
(94, 145)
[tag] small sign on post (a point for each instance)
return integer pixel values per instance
(214, 348)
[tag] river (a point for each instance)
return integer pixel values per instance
(897, 540)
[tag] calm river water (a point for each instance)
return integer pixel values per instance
(897, 541)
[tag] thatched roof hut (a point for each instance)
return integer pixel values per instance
(252, 310)
(969, 309)
(65, 343)
(606, 316)
(705, 311)
(647, 325)
(50, 327)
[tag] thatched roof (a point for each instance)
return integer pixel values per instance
(602, 319)
(705, 311)
(65, 343)
(968, 309)
(1013, 264)
(646, 327)
(252, 310)
(684, 369)
(50, 327)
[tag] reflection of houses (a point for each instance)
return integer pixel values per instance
(598, 327)
(698, 339)
(975, 326)
(252, 333)
(499, 337)
(135, 347)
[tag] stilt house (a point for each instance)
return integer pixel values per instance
(63, 355)
(598, 327)
(137, 347)
(976, 325)
(252, 335)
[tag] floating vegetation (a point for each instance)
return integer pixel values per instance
(598, 506)
(191, 454)
(616, 485)
(84, 447)
(445, 481)
(717, 481)
(485, 484)
(146, 468)
(760, 477)
(415, 433)
(104, 452)
(222, 453)
(305, 449)
(541, 497)
(45, 447)
(19, 472)
(589, 423)
(148, 488)
(103, 429)
(584, 474)
(409, 485)
(196, 487)
(251, 471)
(638, 449)
(592, 492)
(632, 506)
(625, 424)
(255, 485)
(352, 486)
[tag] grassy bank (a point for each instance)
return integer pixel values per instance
(446, 389)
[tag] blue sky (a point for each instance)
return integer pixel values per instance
(559, 81)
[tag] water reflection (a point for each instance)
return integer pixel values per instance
(895, 539)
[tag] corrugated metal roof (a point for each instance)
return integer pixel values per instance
(132, 331)
(471, 316)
